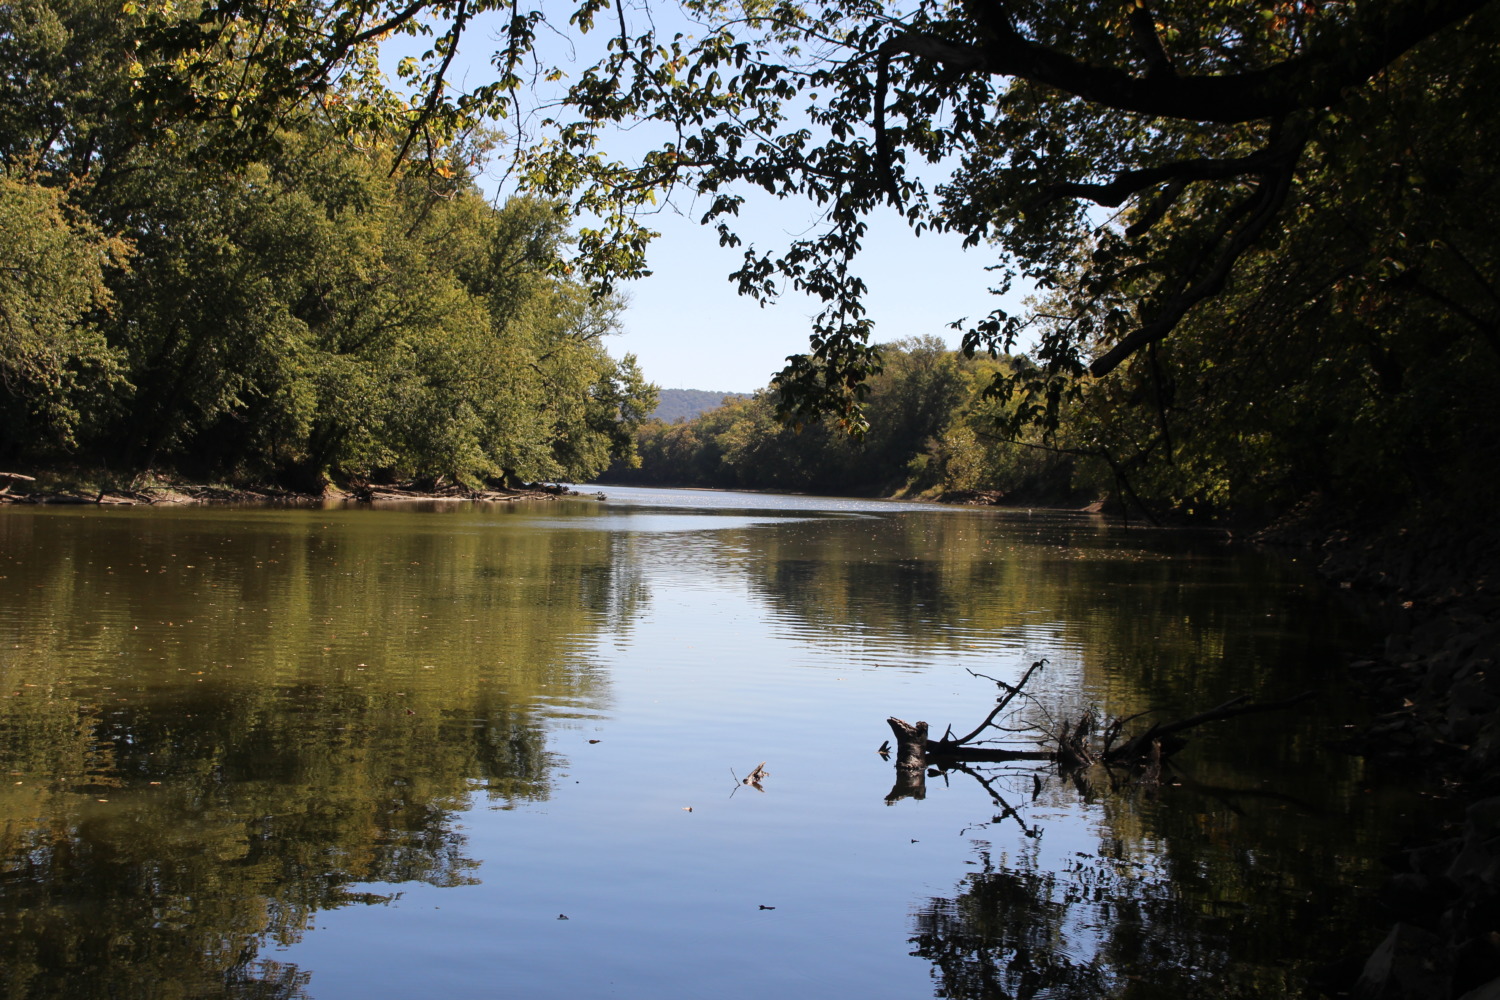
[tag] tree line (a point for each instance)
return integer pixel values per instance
(1262, 234)
(932, 428)
(274, 293)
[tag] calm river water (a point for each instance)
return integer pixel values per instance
(483, 751)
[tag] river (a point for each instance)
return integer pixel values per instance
(475, 751)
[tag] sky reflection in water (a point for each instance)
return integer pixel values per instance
(356, 753)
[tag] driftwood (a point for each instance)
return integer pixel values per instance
(1072, 745)
(11, 478)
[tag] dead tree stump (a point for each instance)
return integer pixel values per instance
(911, 760)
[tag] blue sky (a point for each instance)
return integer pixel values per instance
(687, 325)
(690, 329)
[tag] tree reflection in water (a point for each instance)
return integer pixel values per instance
(1231, 885)
(288, 717)
(1173, 901)
(1010, 933)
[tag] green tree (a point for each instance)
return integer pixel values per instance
(930, 429)
(58, 376)
(305, 298)
(1353, 356)
(1138, 159)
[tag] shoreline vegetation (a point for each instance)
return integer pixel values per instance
(21, 489)
(231, 249)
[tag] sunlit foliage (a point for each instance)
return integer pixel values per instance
(279, 294)
(932, 428)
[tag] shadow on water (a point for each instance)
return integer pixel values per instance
(1209, 874)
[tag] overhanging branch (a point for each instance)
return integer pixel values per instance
(1128, 182)
(1378, 34)
(1262, 206)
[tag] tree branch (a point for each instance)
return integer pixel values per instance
(1128, 182)
(1317, 78)
(883, 155)
(1263, 204)
(339, 48)
(1011, 690)
(1143, 25)
(460, 19)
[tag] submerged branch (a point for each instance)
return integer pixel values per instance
(1077, 744)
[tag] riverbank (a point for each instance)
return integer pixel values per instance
(18, 488)
(1435, 686)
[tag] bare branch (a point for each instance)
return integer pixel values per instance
(1011, 692)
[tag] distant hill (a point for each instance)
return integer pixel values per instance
(685, 404)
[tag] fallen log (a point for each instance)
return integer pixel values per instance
(1074, 745)
(11, 478)
(914, 749)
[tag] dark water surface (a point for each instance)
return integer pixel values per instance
(356, 753)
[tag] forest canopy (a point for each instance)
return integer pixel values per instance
(273, 294)
(1260, 231)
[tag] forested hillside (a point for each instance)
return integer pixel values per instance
(189, 281)
(685, 404)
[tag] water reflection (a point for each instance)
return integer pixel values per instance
(229, 729)
(1215, 880)
(1120, 922)
(215, 725)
